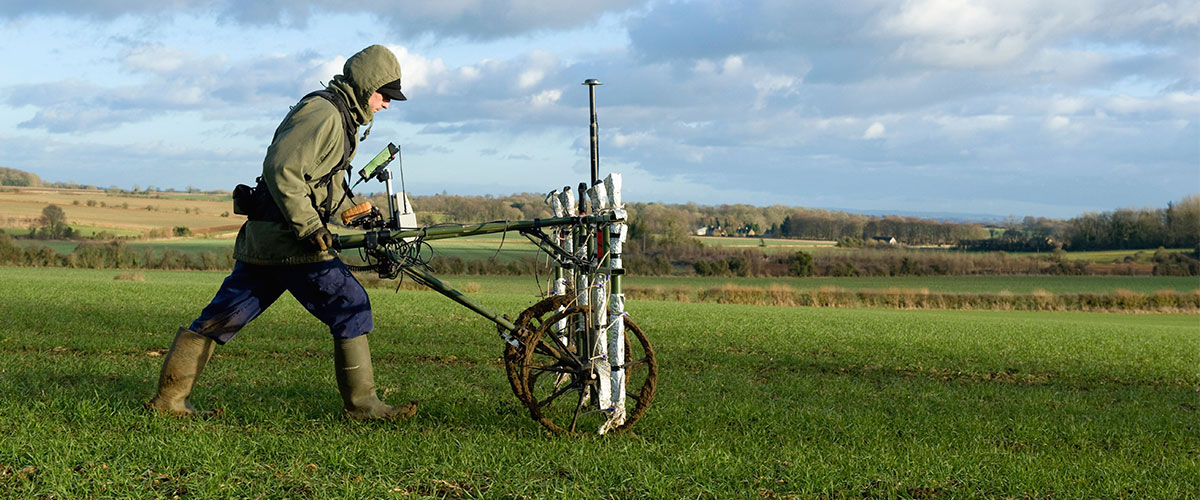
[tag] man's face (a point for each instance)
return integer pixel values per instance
(378, 102)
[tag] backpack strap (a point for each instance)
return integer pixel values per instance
(351, 130)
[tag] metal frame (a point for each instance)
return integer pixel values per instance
(585, 248)
(585, 242)
(376, 240)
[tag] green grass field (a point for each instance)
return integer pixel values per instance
(753, 402)
(769, 245)
(948, 284)
(511, 247)
(1107, 256)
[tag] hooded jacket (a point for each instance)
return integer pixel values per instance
(308, 144)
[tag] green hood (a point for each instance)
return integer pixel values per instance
(363, 74)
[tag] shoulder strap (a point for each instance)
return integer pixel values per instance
(351, 131)
(349, 126)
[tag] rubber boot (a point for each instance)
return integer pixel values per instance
(356, 382)
(189, 353)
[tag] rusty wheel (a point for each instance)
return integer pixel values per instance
(530, 320)
(556, 385)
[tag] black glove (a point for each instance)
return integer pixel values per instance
(320, 241)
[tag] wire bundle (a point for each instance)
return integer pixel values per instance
(389, 258)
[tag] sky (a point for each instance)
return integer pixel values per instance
(1008, 107)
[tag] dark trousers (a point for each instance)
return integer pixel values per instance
(326, 289)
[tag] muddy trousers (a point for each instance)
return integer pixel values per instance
(326, 289)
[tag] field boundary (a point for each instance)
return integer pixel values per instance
(1162, 301)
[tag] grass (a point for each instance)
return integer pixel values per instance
(512, 247)
(90, 231)
(60, 246)
(769, 245)
(946, 284)
(1107, 256)
(753, 402)
(778, 245)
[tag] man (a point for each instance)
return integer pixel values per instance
(285, 244)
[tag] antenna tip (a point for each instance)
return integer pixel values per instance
(592, 81)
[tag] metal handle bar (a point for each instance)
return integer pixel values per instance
(442, 232)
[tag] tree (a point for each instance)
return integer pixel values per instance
(786, 229)
(1183, 222)
(53, 224)
(53, 214)
(14, 177)
(802, 264)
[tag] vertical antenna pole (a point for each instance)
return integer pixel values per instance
(592, 83)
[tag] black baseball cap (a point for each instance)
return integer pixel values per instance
(392, 91)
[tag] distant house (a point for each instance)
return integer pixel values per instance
(889, 240)
(746, 231)
(703, 231)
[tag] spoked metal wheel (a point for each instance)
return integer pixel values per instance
(529, 321)
(558, 387)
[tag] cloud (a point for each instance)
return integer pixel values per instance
(1055, 123)
(875, 131)
(966, 35)
(1015, 94)
(620, 140)
(545, 98)
(136, 162)
(419, 74)
(468, 19)
(851, 41)
(154, 58)
(1178, 104)
(173, 80)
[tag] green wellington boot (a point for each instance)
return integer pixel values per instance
(189, 352)
(356, 382)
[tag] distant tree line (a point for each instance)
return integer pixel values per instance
(18, 178)
(699, 260)
(652, 224)
(674, 223)
(466, 209)
(825, 225)
(1177, 226)
(656, 224)
(671, 223)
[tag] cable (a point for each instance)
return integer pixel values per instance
(503, 236)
